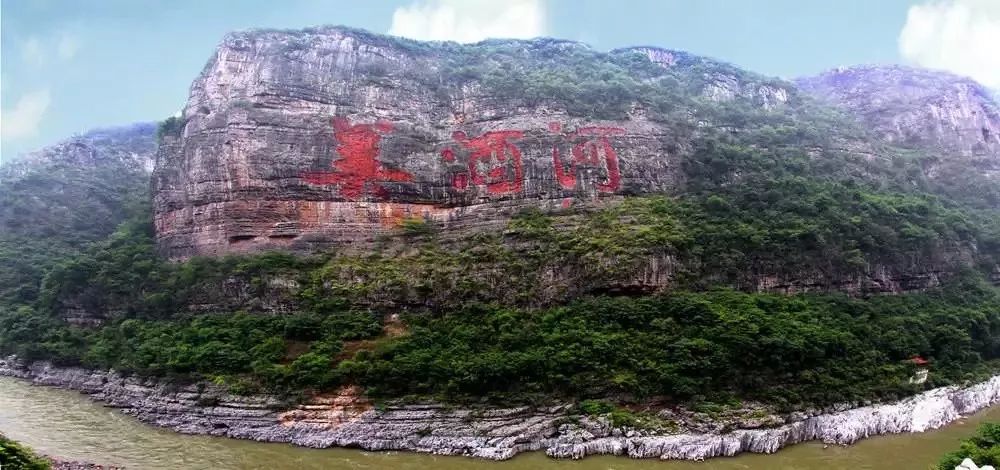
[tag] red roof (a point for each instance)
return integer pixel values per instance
(918, 361)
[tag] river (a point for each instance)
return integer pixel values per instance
(68, 425)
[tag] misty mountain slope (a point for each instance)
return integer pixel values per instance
(951, 123)
(55, 201)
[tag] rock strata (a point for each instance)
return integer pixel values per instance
(330, 137)
(347, 419)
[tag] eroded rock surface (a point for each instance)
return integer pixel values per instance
(330, 137)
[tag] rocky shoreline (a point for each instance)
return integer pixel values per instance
(347, 419)
(59, 464)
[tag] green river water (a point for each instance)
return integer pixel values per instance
(68, 425)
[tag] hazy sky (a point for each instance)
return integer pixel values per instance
(71, 65)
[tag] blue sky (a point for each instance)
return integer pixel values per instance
(68, 65)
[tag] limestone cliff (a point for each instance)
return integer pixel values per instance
(951, 124)
(332, 136)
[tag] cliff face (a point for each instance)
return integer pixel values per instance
(922, 109)
(330, 137)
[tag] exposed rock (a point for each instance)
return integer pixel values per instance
(349, 420)
(332, 137)
(968, 464)
(306, 139)
(917, 108)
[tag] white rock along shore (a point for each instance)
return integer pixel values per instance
(348, 420)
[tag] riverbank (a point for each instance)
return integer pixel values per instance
(60, 464)
(17, 455)
(347, 420)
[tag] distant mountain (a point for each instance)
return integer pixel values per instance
(58, 199)
(132, 147)
(952, 122)
(916, 107)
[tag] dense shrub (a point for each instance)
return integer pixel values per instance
(484, 320)
(983, 448)
(171, 127)
(15, 456)
(788, 351)
(231, 346)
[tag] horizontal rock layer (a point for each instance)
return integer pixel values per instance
(349, 420)
(307, 140)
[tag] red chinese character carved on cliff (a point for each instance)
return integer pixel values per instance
(358, 146)
(592, 150)
(494, 162)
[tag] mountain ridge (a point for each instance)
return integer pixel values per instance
(212, 95)
(332, 138)
(638, 243)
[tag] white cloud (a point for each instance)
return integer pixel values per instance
(469, 20)
(37, 51)
(960, 36)
(67, 46)
(33, 52)
(23, 119)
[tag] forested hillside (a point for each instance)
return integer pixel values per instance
(760, 245)
(56, 201)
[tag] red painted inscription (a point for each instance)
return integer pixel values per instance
(494, 162)
(359, 169)
(591, 149)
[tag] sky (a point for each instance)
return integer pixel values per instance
(67, 66)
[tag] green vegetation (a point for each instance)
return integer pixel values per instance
(417, 227)
(493, 316)
(15, 456)
(480, 325)
(586, 82)
(63, 201)
(784, 350)
(983, 448)
(172, 126)
(244, 351)
(622, 417)
(798, 228)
